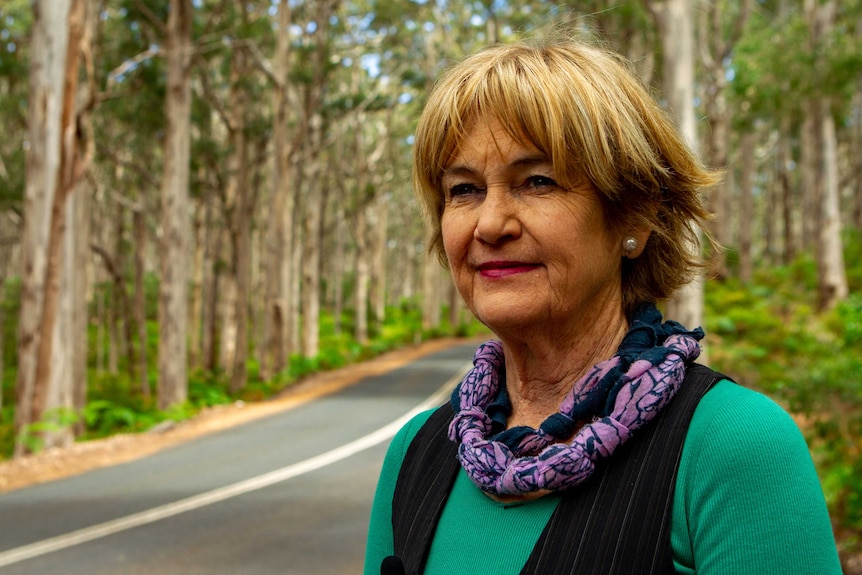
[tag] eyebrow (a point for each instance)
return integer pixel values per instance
(522, 162)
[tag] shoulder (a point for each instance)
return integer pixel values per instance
(402, 439)
(732, 417)
(739, 433)
(400, 444)
(748, 498)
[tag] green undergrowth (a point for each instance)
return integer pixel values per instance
(768, 335)
(116, 402)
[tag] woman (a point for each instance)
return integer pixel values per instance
(585, 439)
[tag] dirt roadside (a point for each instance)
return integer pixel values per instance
(57, 463)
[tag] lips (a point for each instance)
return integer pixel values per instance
(500, 269)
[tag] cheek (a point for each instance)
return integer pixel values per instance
(455, 237)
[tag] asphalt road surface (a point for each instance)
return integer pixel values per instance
(287, 494)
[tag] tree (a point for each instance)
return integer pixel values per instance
(54, 164)
(173, 305)
(717, 40)
(822, 161)
(675, 24)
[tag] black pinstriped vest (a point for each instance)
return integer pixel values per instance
(618, 522)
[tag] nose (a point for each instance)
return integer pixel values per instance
(497, 217)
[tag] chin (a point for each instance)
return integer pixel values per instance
(512, 320)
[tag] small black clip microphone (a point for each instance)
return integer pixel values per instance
(392, 565)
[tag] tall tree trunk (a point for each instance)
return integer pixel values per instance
(81, 229)
(831, 274)
(676, 27)
(315, 194)
(139, 229)
(716, 46)
(339, 269)
(746, 206)
(211, 289)
(278, 232)
(51, 172)
(173, 305)
(785, 157)
(832, 277)
(363, 272)
(312, 226)
(239, 207)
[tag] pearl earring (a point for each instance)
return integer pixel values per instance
(629, 245)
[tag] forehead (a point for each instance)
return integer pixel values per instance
(487, 139)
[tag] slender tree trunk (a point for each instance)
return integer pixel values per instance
(140, 234)
(211, 288)
(339, 268)
(278, 232)
(173, 305)
(746, 208)
(363, 272)
(51, 175)
(676, 26)
(785, 157)
(315, 196)
(831, 274)
(832, 277)
(378, 258)
(197, 289)
(81, 229)
(312, 248)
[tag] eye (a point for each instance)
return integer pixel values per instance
(538, 182)
(464, 189)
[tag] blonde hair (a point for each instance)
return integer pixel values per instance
(582, 107)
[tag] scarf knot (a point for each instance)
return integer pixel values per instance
(616, 396)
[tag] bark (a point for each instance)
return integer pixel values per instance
(831, 274)
(278, 232)
(832, 277)
(378, 258)
(715, 49)
(785, 157)
(173, 316)
(83, 200)
(197, 289)
(140, 311)
(312, 225)
(363, 272)
(239, 207)
(210, 289)
(676, 27)
(315, 194)
(746, 208)
(52, 170)
(339, 269)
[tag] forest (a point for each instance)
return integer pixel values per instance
(201, 201)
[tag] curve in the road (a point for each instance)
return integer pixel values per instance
(216, 495)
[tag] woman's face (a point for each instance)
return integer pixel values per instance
(524, 252)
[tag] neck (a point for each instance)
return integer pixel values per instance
(540, 371)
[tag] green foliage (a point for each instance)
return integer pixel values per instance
(117, 405)
(767, 336)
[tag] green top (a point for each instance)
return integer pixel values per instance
(747, 500)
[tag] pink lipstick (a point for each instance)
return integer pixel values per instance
(501, 269)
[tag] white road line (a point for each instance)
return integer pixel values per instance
(156, 513)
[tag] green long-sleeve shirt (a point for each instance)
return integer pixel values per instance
(747, 501)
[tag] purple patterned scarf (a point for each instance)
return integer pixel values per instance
(614, 399)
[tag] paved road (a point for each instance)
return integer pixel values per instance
(287, 494)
